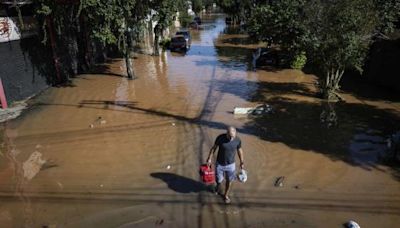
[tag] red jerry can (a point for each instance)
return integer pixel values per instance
(207, 174)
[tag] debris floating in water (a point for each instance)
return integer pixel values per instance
(258, 110)
(32, 166)
(160, 222)
(98, 121)
(279, 181)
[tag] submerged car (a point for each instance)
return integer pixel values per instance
(197, 20)
(179, 43)
(186, 34)
(194, 25)
(266, 57)
(228, 20)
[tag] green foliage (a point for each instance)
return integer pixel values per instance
(165, 43)
(299, 61)
(165, 11)
(43, 10)
(208, 3)
(280, 21)
(339, 34)
(107, 19)
(336, 34)
(185, 18)
(239, 10)
(197, 6)
(388, 14)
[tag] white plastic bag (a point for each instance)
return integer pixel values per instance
(242, 176)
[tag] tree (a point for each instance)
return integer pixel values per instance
(63, 25)
(208, 4)
(197, 6)
(109, 22)
(239, 10)
(164, 13)
(116, 22)
(232, 8)
(336, 35)
(388, 14)
(280, 22)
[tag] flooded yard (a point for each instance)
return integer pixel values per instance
(113, 152)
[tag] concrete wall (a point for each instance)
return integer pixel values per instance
(25, 68)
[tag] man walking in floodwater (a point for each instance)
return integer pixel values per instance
(228, 145)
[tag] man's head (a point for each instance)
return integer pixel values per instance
(231, 131)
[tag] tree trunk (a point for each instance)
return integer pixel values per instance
(330, 86)
(72, 46)
(128, 63)
(128, 59)
(156, 45)
(157, 34)
(128, 46)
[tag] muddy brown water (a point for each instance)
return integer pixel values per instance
(110, 152)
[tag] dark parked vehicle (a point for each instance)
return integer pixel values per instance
(228, 20)
(186, 34)
(194, 25)
(197, 20)
(268, 57)
(179, 43)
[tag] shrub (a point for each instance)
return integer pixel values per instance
(165, 43)
(299, 60)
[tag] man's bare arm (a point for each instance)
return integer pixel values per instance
(240, 154)
(212, 151)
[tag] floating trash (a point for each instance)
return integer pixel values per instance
(33, 165)
(279, 181)
(98, 121)
(258, 110)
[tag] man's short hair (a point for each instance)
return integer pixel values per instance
(231, 127)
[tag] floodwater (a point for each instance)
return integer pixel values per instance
(110, 152)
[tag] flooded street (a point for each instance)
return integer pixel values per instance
(113, 152)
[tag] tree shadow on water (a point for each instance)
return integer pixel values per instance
(354, 133)
(259, 91)
(179, 183)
